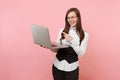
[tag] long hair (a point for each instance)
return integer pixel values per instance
(79, 29)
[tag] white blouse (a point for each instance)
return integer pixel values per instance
(75, 44)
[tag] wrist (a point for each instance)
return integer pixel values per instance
(70, 40)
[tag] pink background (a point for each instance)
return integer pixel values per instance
(21, 59)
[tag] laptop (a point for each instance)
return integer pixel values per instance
(41, 37)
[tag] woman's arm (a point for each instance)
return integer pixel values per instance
(80, 50)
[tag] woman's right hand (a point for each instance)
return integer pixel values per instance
(43, 46)
(54, 50)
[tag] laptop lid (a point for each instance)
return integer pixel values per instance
(41, 35)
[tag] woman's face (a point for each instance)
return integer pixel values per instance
(72, 18)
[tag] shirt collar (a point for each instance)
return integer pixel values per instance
(73, 28)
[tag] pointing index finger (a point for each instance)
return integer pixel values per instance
(64, 33)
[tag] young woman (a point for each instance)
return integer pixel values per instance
(65, 66)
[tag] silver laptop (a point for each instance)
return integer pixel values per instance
(41, 37)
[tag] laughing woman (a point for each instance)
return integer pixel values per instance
(66, 65)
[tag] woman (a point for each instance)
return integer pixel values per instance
(65, 66)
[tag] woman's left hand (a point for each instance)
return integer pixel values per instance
(67, 36)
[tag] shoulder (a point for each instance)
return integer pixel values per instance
(61, 30)
(86, 34)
